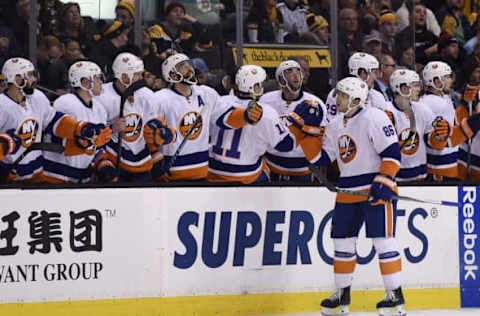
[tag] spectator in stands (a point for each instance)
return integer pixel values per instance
(153, 82)
(263, 22)
(470, 44)
(151, 59)
(201, 70)
(50, 15)
(350, 39)
(388, 27)
(405, 56)
(381, 84)
(115, 39)
(57, 72)
(425, 41)
(449, 52)
(318, 27)
(372, 44)
(8, 47)
(404, 13)
(20, 26)
(451, 18)
(472, 62)
(125, 12)
(73, 25)
(370, 14)
(321, 8)
(294, 16)
(49, 50)
(179, 31)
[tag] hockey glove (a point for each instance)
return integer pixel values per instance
(307, 116)
(382, 189)
(106, 171)
(253, 113)
(156, 132)
(91, 135)
(9, 143)
(441, 129)
(474, 123)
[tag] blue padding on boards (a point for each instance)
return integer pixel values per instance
(469, 245)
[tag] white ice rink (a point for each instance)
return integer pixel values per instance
(439, 312)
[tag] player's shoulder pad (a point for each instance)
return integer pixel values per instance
(376, 116)
(271, 95)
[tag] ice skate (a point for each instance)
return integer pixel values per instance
(393, 304)
(337, 303)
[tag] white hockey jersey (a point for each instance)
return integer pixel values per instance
(63, 167)
(360, 144)
(375, 99)
(28, 121)
(414, 152)
(291, 163)
(182, 112)
(442, 162)
(236, 154)
(136, 157)
(294, 21)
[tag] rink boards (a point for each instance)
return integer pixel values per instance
(218, 251)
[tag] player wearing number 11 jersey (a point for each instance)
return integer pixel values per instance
(236, 154)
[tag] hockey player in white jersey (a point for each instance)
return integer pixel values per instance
(290, 165)
(27, 111)
(74, 165)
(365, 67)
(138, 116)
(430, 131)
(236, 154)
(364, 143)
(437, 79)
(185, 105)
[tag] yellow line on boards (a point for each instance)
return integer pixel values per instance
(228, 305)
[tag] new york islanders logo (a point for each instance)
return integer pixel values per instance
(347, 148)
(186, 123)
(27, 131)
(133, 127)
(411, 146)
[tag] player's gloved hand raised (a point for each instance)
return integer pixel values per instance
(441, 128)
(382, 189)
(307, 116)
(106, 171)
(10, 143)
(253, 113)
(157, 132)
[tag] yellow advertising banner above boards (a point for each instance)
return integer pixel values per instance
(270, 57)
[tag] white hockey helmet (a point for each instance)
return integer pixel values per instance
(83, 69)
(126, 63)
(169, 68)
(362, 61)
(247, 77)
(280, 76)
(436, 69)
(403, 77)
(18, 66)
(355, 88)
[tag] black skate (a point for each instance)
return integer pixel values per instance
(392, 304)
(337, 303)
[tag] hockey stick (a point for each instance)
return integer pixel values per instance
(332, 188)
(469, 144)
(185, 139)
(39, 87)
(129, 91)
(50, 147)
